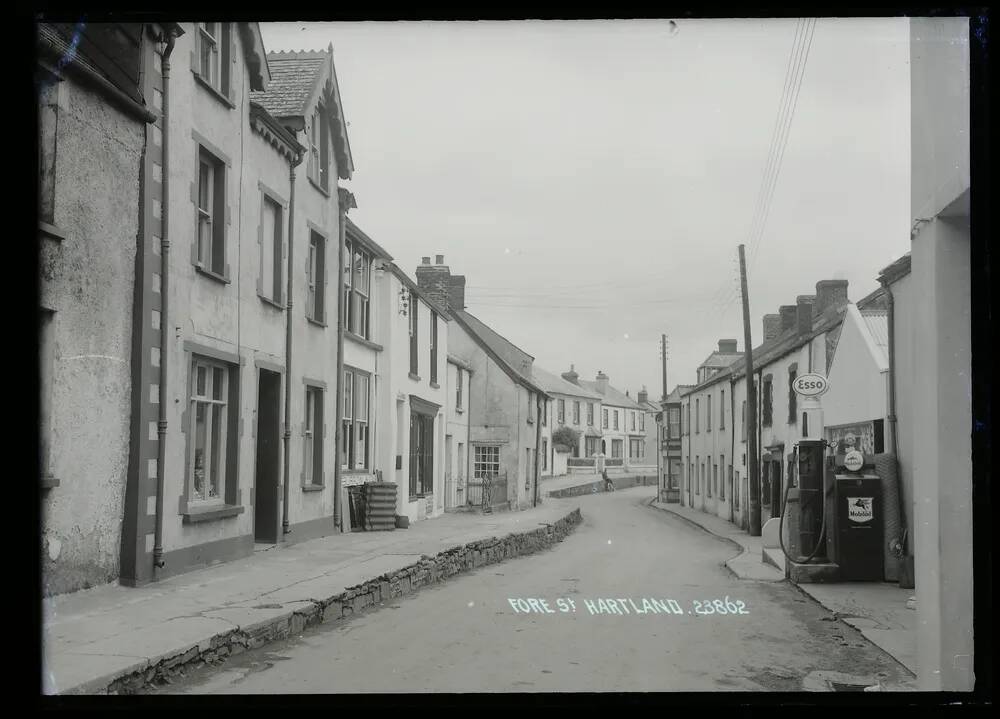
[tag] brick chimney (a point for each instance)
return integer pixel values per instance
(435, 280)
(804, 309)
(456, 292)
(602, 382)
(772, 327)
(789, 317)
(727, 346)
(830, 293)
(571, 376)
(643, 396)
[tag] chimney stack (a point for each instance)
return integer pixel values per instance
(789, 317)
(727, 347)
(602, 382)
(456, 292)
(804, 309)
(830, 293)
(772, 327)
(438, 259)
(435, 281)
(571, 376)
(643, 395)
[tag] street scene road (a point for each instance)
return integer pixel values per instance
(594, 632)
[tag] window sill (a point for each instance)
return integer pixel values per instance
(221, 279)
(208, 514)
(362, 341)
(414, 377)
(212, 90)
(435, 385)
(318, 186)
(318, 323)
(273, 303)
(51, 231)
(49, 482)
(313, 487)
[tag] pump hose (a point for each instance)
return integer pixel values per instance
(781, 527)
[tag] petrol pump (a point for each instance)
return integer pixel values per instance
(807, 511)
(859, 524)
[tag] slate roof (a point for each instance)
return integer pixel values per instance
(675, 394)
(554, 383)
(293, 77)
(612, 396)
(499, 348)
(721, 359)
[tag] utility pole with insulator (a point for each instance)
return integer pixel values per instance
(751, 405)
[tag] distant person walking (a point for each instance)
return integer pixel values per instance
(609, 486)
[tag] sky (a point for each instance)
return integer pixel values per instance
(593, 179)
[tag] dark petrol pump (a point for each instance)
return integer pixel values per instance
(812, 499)
(859, 528)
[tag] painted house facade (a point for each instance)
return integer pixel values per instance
(458, 432)
(709, 445)
(414, 397)
(94, 118)
(649, 459)
(506, 404)
(244, 451)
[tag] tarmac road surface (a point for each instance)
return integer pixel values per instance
(489, 630)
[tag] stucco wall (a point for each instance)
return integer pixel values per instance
(87, 279)
(858, 378)
(906, 323)
(458, 428)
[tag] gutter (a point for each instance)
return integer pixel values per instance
(161, 425)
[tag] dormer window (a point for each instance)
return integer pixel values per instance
(319, 149)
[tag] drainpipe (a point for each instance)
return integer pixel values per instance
(538, 441)
(892, 403)
(287, 434)
(161, 425)
(345, 201)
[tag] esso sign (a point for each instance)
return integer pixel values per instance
(810, 385)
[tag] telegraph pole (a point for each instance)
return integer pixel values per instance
(663, 352)
(751, 405)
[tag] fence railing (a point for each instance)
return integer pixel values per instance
(487, 492)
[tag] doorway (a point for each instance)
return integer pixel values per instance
(266, 480)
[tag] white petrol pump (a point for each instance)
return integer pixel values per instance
(811, 477)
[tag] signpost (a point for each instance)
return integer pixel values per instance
(810, 385)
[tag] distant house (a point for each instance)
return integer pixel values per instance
(671, 456)
(505, 401)
(623, 425)
(573, 406)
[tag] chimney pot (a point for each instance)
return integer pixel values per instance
(426, 260)
(439, 259)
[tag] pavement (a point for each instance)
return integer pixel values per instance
(95, 636)
(633, 600)
(879, 610)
